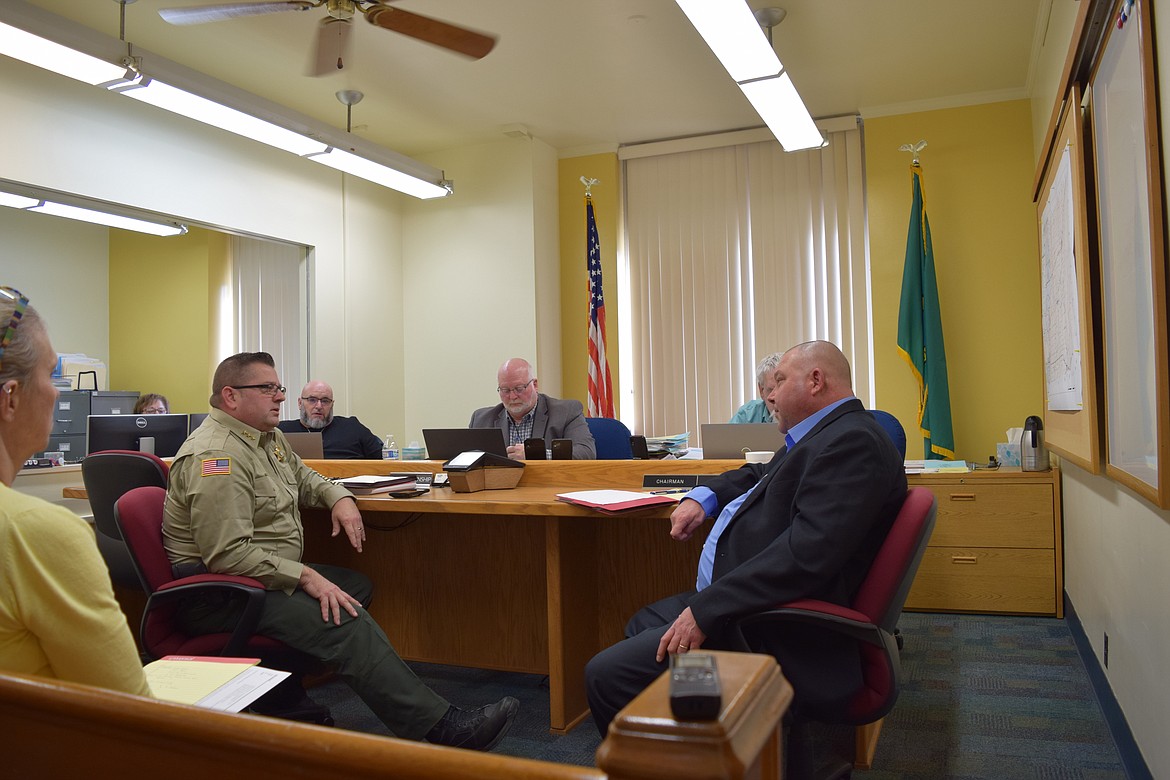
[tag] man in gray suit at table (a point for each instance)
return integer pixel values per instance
(524, 412)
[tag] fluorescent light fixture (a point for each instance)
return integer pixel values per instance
(731, 31)
(734, 36)
(782, 110)
(34, 50)
(178, 101)
(16, 201)
(38, 37)
(380, 174)
(110, 220)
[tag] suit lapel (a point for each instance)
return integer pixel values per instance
(761, 487)
(540, 420)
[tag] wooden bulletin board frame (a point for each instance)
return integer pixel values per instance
(1131, 231)
(1072, 434)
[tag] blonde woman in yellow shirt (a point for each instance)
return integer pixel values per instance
(58, 616)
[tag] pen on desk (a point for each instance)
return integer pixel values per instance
(672, 490)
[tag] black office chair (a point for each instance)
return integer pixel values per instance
(108, 476)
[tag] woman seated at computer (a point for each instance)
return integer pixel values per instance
(58, 616)
(152, 403)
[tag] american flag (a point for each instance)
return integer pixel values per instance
(217, 466)
(600, 384)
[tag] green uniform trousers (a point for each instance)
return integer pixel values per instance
(357, 649)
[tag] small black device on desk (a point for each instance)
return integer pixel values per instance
(534, 449)
(562, 449)
(694, 687)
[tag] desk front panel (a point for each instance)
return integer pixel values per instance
(453, 589)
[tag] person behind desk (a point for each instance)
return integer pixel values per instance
(525, 413)
(341, 437)
(58, 616)
(805, 525)
(232, 508)
(759, 410)
(152, 403)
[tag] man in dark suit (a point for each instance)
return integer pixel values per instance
(341, 437)
(805, 525)
(525, 413)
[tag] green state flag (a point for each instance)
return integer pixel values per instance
(920, 332)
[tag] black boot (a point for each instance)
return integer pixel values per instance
(480, 729)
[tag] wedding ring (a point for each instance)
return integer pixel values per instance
(684, 648)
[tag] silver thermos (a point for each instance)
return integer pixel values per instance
(1033, 453)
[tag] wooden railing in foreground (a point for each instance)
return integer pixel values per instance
(56, 729)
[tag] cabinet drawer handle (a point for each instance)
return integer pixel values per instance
(964, 559)
(962, 496)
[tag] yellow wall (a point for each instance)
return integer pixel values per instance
(159, 321)
(574, 298)
(978, 179)
(978, 172)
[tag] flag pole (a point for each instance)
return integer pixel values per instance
(599, 382)
(920, 331)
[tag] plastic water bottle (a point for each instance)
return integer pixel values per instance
(389, 448)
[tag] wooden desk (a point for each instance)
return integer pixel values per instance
(513, 579)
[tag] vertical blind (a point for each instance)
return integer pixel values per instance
(268, 308)
(734, 253)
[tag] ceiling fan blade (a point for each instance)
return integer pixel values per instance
(457, 39)
(329, 55)
(198, 14)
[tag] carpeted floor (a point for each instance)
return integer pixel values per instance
(983, 697)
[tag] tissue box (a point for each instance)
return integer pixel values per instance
(1008, 454)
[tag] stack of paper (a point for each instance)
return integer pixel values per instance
(674, 445)
(225, 684)
(615, 501)
(937, 467)
(370, 484)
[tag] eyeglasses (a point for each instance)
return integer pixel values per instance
(518, 389)
(268, 388)
(17, 313)
(313, 400)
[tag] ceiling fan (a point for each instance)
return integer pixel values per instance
(333, 32)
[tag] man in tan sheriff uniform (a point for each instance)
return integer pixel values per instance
(232, 508)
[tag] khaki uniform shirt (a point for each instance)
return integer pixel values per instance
(232, 502)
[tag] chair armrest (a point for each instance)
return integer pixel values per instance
(834, 617)
(251, 590)
(213, 578)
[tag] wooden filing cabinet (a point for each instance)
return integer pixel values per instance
(996, 546)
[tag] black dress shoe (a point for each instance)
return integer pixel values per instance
(480, 729)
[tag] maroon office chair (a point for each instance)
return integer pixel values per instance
(872, 617)
(139, 516)
(107, 476)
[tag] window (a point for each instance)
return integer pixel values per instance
(733, 253)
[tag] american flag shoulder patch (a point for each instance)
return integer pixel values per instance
(214, 467)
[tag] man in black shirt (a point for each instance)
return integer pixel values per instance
(342, 437)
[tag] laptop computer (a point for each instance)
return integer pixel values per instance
(446, 443)
(728, 440)
(307, 445)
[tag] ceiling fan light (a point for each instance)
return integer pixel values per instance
(192, 106)
(378, 173)
(110, 220)
(43, 53)
(734, 36)
(779, 105)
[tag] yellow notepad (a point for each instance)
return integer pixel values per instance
(190, 679)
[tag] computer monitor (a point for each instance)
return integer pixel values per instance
(161, 434)
(196, 420)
